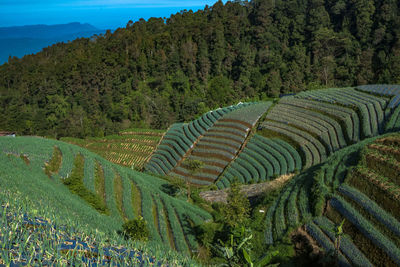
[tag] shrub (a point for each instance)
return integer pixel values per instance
(136, 229)
(236, 212)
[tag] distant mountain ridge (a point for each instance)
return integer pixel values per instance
(42, 31)
(23, 40)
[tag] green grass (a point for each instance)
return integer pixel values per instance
(19, 207)
(120, 189)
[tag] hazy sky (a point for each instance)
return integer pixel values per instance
(103, 14)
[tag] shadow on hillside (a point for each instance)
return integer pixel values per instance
(170, 189)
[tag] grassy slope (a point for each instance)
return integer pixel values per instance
(49, 194)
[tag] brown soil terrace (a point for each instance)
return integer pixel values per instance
(230, 126)
(238, 121)
(222, 137)
(206, 155)
(226, 130)
(220, 143)
(194, 177)
(204, 146)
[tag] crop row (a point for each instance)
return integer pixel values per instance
(393, 124)
(199, 179)
(222, 142)
(395, 102)
(119, 149)
(228, 130)
(127, 159)
(346, 116)
(134, 147)
(67, 163)
(313, 149)
(212, 145)
(162, 211)
(121, 145)
(347, 247)
(372, 208)
(392, 151)
(370, 107)
(384, 164)
(384, 90)
(304, 204)
(88, 178)
(46, 242)
(381, 89)
(180, 138)
(250, 114)
(64, 208)
(324, 241)
(291, 119)
(366, 228)
(289, 209)
(379, 188)
(261, 159)
(112, 183)
(313, 122)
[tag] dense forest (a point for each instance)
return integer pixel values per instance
(152, 73)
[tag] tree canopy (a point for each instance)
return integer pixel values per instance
(155, 72)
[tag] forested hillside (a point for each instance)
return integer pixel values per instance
(156, 72)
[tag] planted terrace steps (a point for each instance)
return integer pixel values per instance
(261, 159)
(326, 128)
(388, 90)
(313, 150)
(393, 124)
(221, 143)
(318, 123)
(296, 203)
(125, 193)
(346, 117)
(322, 230)
(380, 248)
(180, 139)
(370, 108)
(131, 148)
(369, 200)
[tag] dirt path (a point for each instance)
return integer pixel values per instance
(249, 190)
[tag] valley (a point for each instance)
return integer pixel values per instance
(338, 147)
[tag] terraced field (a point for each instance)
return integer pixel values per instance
(260, 160)
(221, 143)
(118, 192)
(131, 148)
(388, 90)
(311, 125)
(343, 142)
(304, 196)
(359, 184)
(370, 108)
(369, 200)
(181, 138)
(318, 123)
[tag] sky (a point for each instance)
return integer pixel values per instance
(103, 14)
